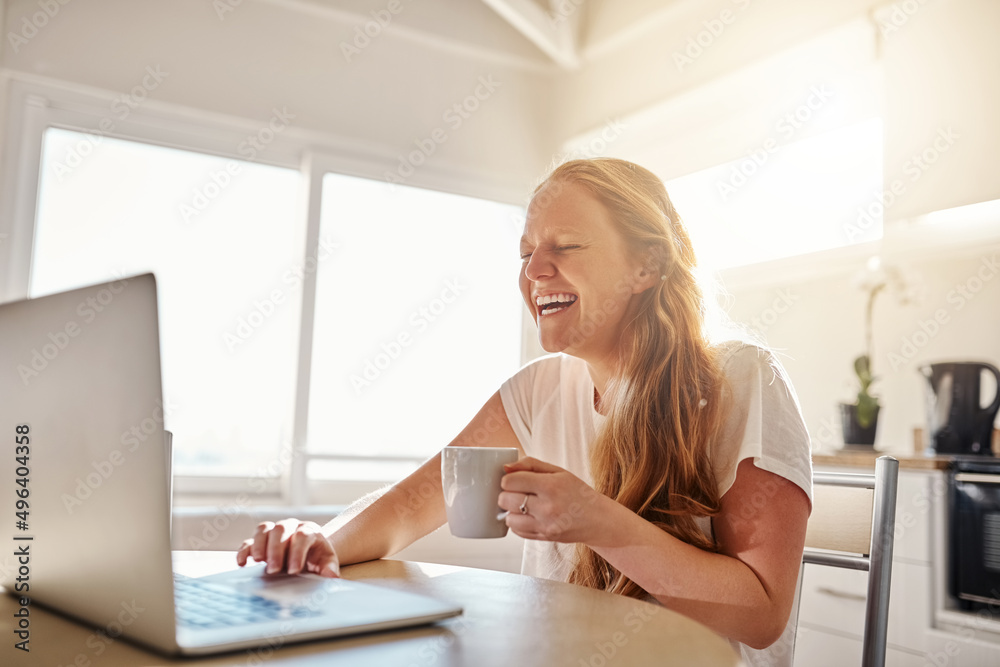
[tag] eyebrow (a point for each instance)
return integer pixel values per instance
(556, 232)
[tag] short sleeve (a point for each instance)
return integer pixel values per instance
(515, 394)
(763, 420)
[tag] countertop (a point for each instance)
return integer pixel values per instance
(865, 458)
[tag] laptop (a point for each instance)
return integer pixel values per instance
(81, 421)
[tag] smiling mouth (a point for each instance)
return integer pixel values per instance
(554, 303)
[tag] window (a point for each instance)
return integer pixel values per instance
(418, 319)
(228, 351)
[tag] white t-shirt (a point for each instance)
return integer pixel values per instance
(550, 406)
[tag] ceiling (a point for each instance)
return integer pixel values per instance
(555, 35)
(570, 32)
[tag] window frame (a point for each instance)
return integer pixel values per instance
(33, 106)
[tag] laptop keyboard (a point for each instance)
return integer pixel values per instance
(205, 605)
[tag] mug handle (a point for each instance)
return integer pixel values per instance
(992, 409)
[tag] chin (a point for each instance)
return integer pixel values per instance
(551, 346)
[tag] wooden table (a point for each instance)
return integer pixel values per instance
(509, 620)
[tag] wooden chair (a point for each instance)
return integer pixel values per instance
(852, 526)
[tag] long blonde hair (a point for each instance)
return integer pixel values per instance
(663, 404)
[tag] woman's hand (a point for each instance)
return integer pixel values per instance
(293, 546)
(560, 507)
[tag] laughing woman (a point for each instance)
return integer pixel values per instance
(656, 464)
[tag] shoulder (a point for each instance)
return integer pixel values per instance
(743, 363)
(551, 367)
(762, 417)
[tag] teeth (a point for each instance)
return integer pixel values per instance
(552, 298)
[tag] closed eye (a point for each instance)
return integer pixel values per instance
(525, 256)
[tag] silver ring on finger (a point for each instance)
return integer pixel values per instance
(524, 505)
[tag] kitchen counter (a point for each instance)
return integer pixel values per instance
(865, 458)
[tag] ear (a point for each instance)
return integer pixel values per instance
(648, 273)
(645, 278)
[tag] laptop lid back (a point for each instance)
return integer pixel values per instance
(80, 395)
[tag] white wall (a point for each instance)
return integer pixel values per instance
(817, 326)
(629, 70)
(942, 69)
(287, 54)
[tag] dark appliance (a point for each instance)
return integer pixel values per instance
(974, 544)
(956, 421)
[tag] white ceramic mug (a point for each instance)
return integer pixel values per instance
(470, 478)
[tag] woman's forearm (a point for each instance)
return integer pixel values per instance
(716, 590)
(388, 520)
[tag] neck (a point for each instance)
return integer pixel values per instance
(600, 374)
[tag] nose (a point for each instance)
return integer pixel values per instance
(539, 266)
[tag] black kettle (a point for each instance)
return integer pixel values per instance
(956, 421)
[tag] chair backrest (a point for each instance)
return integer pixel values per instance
(852, 526)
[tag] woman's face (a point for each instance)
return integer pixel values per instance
(578, 276)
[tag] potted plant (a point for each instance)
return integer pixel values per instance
(859, 420)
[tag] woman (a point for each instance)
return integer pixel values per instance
(656, 465)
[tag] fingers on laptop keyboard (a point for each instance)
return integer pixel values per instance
(310, 551)
(256, 547)
(291, 545)
(277, 543)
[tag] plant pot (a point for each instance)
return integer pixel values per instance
(854, 433)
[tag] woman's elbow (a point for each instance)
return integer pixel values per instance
(768, 631)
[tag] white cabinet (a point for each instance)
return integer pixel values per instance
(821, 649)
(832, 600)
(959, 650)
(941, 138)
